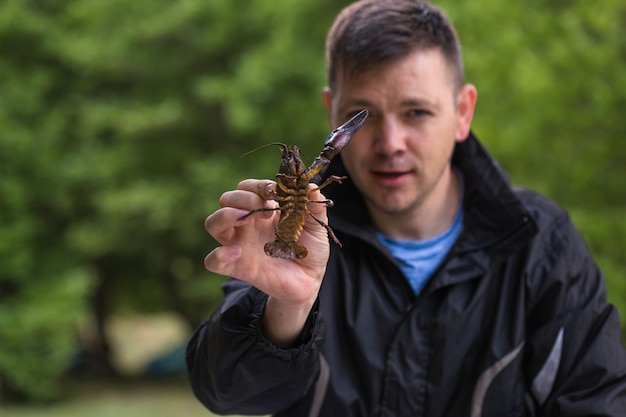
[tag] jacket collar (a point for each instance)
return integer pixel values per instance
(494, 216)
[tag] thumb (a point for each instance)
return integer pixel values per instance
(223, 260)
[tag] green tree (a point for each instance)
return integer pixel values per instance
(121, 124)
(551, 94)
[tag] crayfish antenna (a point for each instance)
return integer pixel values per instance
(267, 145)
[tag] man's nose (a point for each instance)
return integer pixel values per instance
(390, 137)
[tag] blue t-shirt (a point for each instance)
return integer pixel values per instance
(420, 258)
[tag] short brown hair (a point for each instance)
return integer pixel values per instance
(372, 32)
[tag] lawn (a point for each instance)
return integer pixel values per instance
(136, 340)
(119, 398)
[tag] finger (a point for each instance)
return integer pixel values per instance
(266, 189)
(221, 224)
(247, 200)
(223, 260)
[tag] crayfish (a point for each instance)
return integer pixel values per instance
(292, 190)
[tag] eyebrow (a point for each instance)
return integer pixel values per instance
(416, 102)
(409, 102)
(354, 103)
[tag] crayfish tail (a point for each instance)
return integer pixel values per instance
(285, 250)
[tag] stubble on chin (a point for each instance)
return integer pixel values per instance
(393, 206)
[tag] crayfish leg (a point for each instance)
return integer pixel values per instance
(281, 184)
(328, 203)
(331, 234)
(257, 210)
(332, 178)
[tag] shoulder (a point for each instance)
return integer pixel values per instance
(558, 250)
(558, 257)
(555, 229)
(544, 212)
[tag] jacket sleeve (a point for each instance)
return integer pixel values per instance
(576, 358)
(233, 368)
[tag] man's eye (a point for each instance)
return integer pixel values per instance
(418, 112)
(351, 114)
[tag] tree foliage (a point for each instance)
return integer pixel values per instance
(551, 94)
(121, 123)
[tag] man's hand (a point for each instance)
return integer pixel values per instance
(291, 284)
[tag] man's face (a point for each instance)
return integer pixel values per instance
(416, 116)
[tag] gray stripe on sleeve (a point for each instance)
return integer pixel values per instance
(487, 377)
(544, 381)
(320, 388)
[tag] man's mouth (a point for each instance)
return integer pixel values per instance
(389, 174)
(390, 178)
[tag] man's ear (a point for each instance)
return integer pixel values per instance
(326, 96)
(466, 102)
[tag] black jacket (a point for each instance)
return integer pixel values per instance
(514, 323)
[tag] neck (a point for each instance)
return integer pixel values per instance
(429, 217)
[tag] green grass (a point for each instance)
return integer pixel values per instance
(118, 398)
(170, 397)
(135, 339)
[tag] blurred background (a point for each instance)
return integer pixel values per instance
(121, 123)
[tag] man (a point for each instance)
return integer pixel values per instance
(454, 294)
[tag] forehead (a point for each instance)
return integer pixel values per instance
(421, 74)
